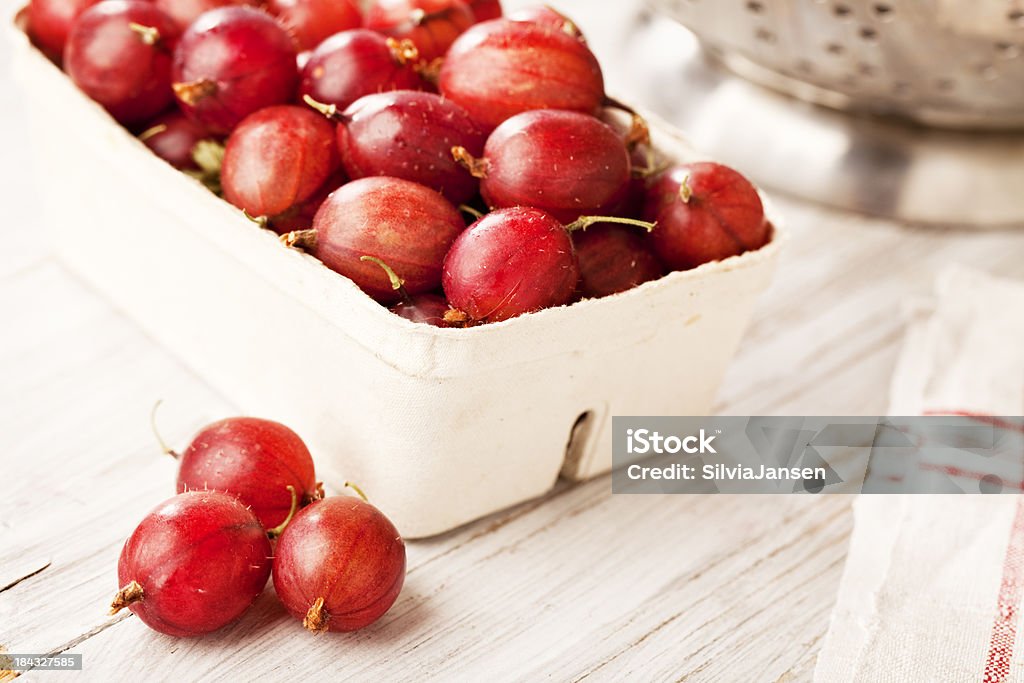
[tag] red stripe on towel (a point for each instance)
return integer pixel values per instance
(980, 417)
(957, 472)
(1004, 627)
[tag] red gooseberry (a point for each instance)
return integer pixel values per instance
(510, 262)
(408, 134)
(311, 21)
(514, 261)
(431, 25)
(230, 63)
(360, 62)
(277, 158)
(340, 565)
(562, 162)
(49, 22)
(613, 259)
(184, 12)
(255, 460)
(543, 14)
(404, 224)
(485, 10)
(119, 53)
(173, 138)
(194, 564)
(501, 68)
(705, 212)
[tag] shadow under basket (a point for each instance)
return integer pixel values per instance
(438, 426)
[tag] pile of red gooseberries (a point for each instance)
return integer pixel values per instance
(248, 507)
(370, 137)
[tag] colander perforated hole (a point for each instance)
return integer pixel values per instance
(945, 85)
(755, 7)
(764, 35)
(804, 66)
(1007, 50)
(842, 11)
(1016, 17)
(883, 10)
(835, 48)
(868, 33)
(865, 69)
(901, 89)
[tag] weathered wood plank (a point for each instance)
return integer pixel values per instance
(596, 585)
(551, 583)
(81, 464)
(24, 235)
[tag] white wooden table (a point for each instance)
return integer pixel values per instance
(580, 584)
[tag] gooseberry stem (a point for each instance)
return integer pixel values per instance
(403, 51)
(397, 283)
(192, 92)
(317, 617)
(318, 494)
(456, 318)
(466, 208)
(639, 131)
(328, 110)
(152, 131)
(358, 490)
(279, 529)
(128, 595)
(652, 168)
(584, 222)
(261, 221)
(477, 167)
(568, 26)
(156, 432)
(685, 191)
(300, 239)
(430, 71)
(149, 35)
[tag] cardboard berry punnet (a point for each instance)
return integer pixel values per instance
(438, 426)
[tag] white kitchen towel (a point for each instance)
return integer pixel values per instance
(964, 350)
(933, 585)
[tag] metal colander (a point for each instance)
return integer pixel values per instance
(949, 63)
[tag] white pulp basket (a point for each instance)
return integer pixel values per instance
(438, 426)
